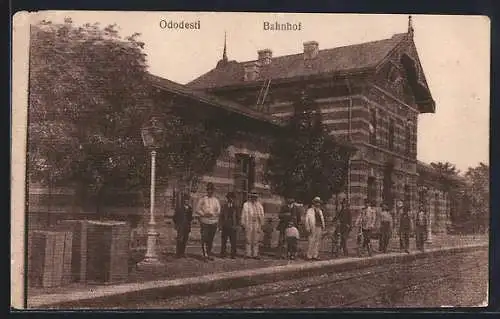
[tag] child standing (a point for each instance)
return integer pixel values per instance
(292, 238)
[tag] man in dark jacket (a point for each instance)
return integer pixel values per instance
(420, 227)
(386, 225)
(344, 220)
(229, 221)
(404, 226)
(183, 216)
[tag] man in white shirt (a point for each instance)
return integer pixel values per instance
(315, 224)
(208, 211)
(252, 219)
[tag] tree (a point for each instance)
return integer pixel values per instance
(89, 95)
(446, 173)
(192, 148)
(305, 161)
(478, 190)
(445, 168)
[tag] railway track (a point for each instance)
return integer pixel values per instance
(361, 277)
(394, 290)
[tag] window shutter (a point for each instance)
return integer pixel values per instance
(251, 172)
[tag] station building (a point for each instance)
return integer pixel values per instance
(370, 95)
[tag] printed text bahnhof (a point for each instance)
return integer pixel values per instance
(287, 26)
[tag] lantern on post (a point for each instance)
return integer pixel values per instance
(152, 137)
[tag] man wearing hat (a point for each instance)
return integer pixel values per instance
(366, 224)
(386, 224)
(404, 226)
(252, 219)
(229, 221)
(314, 224)
(344, 222)
(183, 216)
(208, 211)
(420, 227)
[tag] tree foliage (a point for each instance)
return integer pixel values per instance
(192, 147)
(446, 172)
(305, 161)
(469, 195)
(89, 96)
(87, 88)
(478, 182)
(445, 168)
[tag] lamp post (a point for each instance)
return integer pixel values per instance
(152, 136)
(429, 216)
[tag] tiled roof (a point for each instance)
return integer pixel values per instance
(182, 90)
(336, 60)
(177, 88)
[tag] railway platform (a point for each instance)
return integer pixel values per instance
(192, 276)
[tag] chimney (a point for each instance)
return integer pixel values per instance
(265, 56)
(311, 49)
(251, 71)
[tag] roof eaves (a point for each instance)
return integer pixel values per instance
(258, 83)
(209, 99)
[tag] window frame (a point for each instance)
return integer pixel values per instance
(391, 131)
(373, 123)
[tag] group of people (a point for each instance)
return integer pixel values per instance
(228, 218)
(380, 225)
(290, 220)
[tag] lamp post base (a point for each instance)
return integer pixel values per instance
(428, 240)
(151, 260)
(148, 263)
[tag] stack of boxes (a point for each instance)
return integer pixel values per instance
(108, 251)
(49, 262)
(79, 251)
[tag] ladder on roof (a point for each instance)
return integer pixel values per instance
(264, 90)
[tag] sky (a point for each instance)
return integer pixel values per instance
(454, 52)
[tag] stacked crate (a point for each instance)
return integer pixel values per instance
(79, 248)
(49, 263)
(107, 251)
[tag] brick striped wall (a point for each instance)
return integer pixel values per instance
(438, 206)
(63, 200)
(369, 162)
